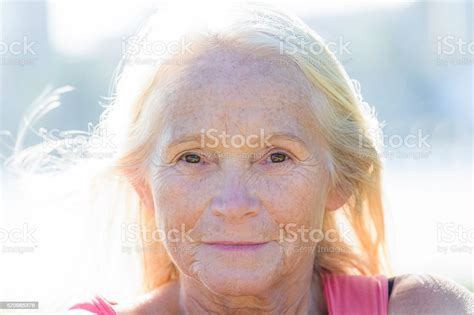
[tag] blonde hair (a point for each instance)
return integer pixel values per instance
(347, 124)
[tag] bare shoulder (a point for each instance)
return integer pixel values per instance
(429, 294)
(163, 300)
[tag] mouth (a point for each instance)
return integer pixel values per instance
(236, 246)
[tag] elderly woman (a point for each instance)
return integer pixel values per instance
(246, 141)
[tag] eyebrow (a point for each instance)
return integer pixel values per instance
(288, 136)
(275, 136)
(285, 136)
(182, 140)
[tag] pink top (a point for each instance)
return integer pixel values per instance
(96, 305)
(349, 294)
(344, 294)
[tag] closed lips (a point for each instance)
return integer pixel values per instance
(231, 243)
(237, 245)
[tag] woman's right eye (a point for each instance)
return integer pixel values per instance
(191, 158)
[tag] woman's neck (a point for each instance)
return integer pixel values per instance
(298, 295)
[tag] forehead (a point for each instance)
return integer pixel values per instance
(237, 92)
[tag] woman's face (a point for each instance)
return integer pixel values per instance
(238, 177)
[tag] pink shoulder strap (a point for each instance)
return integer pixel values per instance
(350, 294)
(97, 305)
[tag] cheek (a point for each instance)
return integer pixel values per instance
(298, 197)
(179, 199)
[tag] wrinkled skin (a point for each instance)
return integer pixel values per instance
(243, 194)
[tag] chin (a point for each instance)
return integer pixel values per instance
(225, 281)
(239, 273)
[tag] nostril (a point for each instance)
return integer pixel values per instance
(235, 206)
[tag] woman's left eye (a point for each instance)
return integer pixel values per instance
(277, 157)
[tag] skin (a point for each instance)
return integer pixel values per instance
(412, 294)
(245, 195)
(242, 195)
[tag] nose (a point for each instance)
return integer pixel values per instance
(234, 202)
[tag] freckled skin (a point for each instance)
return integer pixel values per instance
(240, 197)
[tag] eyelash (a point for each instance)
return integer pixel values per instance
(181, 158)
(287, 157)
